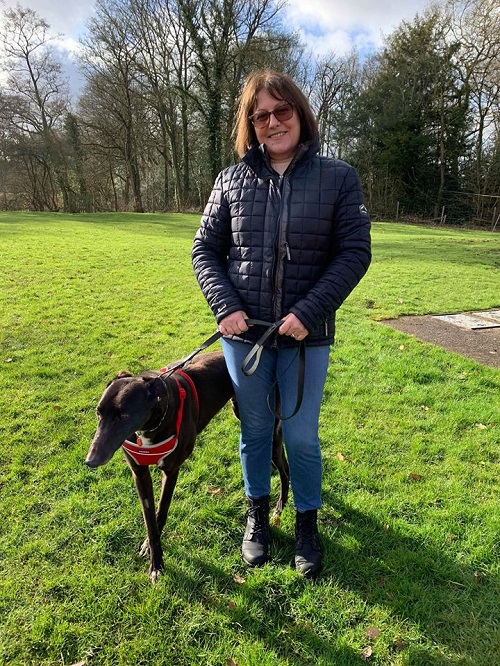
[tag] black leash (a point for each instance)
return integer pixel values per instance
(255, 354)
(254, 357)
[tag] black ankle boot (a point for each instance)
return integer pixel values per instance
(255, 546)
(307, 548)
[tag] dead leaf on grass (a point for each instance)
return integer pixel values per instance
(341, 457)
(214, 491)
(231, 662)
(415, 477)
(367, 653)
(239, 579)
(481, 426)
(372, 633)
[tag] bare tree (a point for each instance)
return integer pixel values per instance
(112, 101)
(476, 25)
(335, 88)
(164, 66)
(222, 34)
(39, 102)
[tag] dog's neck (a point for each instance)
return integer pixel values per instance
(143, 433)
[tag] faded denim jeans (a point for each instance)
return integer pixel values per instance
(300, 433)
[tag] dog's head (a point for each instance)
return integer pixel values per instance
(125, 407)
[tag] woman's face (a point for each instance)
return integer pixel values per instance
(281, 137)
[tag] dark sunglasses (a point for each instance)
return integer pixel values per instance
(282, 112)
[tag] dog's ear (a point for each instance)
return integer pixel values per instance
(120, 375)
(123, 373)
(154, 385)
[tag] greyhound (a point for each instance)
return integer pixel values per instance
(155, 417)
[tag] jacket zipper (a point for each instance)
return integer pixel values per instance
(276, 252)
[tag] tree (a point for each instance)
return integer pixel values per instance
(476, 26)
(112, 103)
(36, 101)
(415, 114)
(164, 67)
(222, 34)
(336, 86)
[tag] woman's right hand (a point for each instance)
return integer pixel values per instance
(234, 324)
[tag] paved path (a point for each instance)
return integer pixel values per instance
(482, 345)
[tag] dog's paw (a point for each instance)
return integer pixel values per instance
(154, 574)
(144, 549)
(276, 518)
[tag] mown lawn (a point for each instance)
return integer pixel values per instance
(410, 525)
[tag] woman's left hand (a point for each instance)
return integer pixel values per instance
(293, 327)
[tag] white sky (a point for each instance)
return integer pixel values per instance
(340, 25)
(325, 25)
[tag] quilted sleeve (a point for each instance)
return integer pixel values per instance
(350, 253)
(210, 254)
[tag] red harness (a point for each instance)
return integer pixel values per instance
(145, 452)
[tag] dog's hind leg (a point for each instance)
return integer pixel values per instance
(281, 464)
(144, 486)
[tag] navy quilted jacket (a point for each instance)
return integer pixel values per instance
(271, 245)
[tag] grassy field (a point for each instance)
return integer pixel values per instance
(410, 526)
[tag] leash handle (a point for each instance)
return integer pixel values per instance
(256, 351)
(216, 336)
(254, 355)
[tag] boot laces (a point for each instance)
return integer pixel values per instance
(258, 519)
(307, 532)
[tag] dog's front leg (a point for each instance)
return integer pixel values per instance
(144, 486)
(167, 490)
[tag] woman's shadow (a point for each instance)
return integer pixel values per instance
(454, 606)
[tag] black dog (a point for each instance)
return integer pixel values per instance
(156, 416)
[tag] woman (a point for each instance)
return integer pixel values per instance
(285, 236)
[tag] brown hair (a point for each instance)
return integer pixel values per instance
(280, 86)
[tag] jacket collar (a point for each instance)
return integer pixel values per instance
(258, 158)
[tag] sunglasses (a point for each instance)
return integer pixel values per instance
(282, 112)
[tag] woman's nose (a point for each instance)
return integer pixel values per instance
(273, 121)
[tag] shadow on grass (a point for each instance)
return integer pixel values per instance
(454, 606)
(451, 610)
(261, 611)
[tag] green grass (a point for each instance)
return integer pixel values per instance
(410, 526)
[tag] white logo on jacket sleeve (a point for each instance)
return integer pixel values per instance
(363, 210)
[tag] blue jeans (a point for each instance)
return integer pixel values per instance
(300, 433)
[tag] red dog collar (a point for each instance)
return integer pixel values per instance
(144, 452)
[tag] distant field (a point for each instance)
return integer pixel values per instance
(410, 434)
